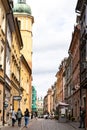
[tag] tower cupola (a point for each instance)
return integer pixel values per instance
(22, 7)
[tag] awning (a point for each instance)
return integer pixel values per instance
(62, 104)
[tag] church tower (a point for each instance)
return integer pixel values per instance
(23, 12)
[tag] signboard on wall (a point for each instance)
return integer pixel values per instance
(17, 98)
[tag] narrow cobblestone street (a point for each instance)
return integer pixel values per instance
(42, 124)
(45, 124)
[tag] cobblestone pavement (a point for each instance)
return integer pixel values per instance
(75, 125)
(45, 124)
(10, 127)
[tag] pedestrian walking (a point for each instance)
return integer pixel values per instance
(13, 117)
(31, 115)
(36, 115)
(19, 116)
(26, 117)
(82, 117)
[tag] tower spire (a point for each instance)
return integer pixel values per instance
(22, 1)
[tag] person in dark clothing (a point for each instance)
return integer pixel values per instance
(36, 115)
(82, 117)
(19, 116)
(26, 117)
(31, 115)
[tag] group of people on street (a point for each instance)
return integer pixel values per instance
(18, 117)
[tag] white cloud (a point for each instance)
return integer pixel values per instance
(42, 82)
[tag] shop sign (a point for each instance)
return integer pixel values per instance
(17, 98)
(5, 104)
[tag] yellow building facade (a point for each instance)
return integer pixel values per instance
(15, 73)
(2, 43)
(8, 29)
(25, 83)
(48, 102)
(15, 65)
(59, 84)
(23, 12)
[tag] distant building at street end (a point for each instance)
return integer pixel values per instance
(40, 106)
(48, 102)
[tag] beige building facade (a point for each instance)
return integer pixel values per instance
(60, 83)
(48, 102)
(25, 83)
(15, 65)
(23, 12)
(2, 43)
(11, 74)
(6, 30)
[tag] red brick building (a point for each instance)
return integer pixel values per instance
(75, 57)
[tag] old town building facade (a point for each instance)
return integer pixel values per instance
(15, 88)
(48, 102)
(23, 12)
(15, 65)
(81, 9)
(6, 30)
(60, 83)
(74, 53)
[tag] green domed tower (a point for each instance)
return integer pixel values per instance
(23, 13)
(22, 7)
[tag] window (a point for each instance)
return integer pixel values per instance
(9, 36)
(3, 24)
(8, 61)
(1, 54)
(19, 23)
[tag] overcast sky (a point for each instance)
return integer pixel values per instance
(52, 31)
